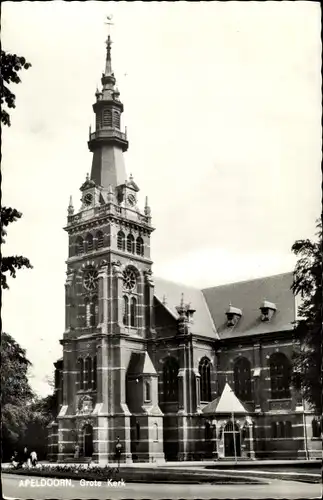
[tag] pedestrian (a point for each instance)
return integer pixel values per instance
(77, 451)
(33, 457)
(25, 456)
(15, 459)
(118, 450)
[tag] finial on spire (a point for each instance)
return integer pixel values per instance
(87, 176)
(108, 67)
(147, 210)
(70, 209)
(182, 300)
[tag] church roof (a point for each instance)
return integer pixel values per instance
(226, 403)
(248, 296)
(141, 364)
(169, 294)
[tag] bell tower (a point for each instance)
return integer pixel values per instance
(109, 302)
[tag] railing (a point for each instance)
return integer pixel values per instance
(107, 133)
(109, 208)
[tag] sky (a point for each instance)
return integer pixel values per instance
(223, 113)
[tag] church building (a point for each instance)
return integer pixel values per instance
(171, 372)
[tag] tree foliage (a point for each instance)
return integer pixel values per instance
(12, 263)
(16, 393)
(10, 65)
(308, 285)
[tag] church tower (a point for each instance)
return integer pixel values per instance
(109, 384)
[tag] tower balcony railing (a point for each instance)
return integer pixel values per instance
(108, 209)
(108, 132)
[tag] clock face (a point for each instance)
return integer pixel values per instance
(91, 280)
(131, 200)
(88, 199)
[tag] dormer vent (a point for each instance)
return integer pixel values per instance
(267, 310)
(233, 315)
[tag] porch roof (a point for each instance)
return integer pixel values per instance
(226, 403)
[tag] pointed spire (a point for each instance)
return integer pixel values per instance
(108, 65)
(147, 210)
(70, 209)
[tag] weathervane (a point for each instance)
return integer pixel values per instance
(109, 23)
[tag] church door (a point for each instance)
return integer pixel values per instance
(232, 442)
(88, 440)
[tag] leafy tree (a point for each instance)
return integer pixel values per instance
(10, 65)
(10, 264)
(308, 284)
(16, 393)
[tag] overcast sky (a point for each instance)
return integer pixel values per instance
(223, 110)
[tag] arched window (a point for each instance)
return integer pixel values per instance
(133, 311)
(89, 242)
(205, 374)
(121, 241)
(94, 374)
(137, 431)
(273, 430)
(229, 427)
(81, 372)
(130, 243)
(316, 428)
(125, 310)
(99, 239)
(116, 118)
(170, 380)
(94, 309)
(139, 246)
(207, 431)
(288, 429)
(107, 118)
(281, 430)
(280, 376)
(88, 373)
(155, 432)
(147, 391)
(242, 379)
(79, 245)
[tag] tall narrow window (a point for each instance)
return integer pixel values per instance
(99, 239)
(125, 310)
(87, 311)
(137, 431)
(316, 428)
(288, 429)
(94, 311)
(280, 376)
(139, 246)
(79, 246)
(130, 243)
(81, 372)
(94, 374)
(170, 380)
(121, 241)
(281, 429)
(242, 379)
(133, 312)
(205, 376)
(155, 432)
(147, 391)
(107, 118)
(88, 373)
(89, 242)
(273, 430)
(116, 118)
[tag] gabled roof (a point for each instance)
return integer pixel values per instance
(170, 293)
(141, 364)
(248, 296)
(226, 403)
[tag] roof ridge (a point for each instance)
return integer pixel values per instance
(247, 281)
(178, 283)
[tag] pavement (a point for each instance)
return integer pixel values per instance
(18, 488)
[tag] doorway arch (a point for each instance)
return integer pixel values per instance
(88, 440)
(232, 440)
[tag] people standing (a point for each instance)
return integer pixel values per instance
(25, 456)
(33, 457)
